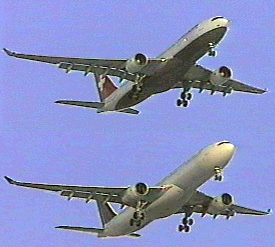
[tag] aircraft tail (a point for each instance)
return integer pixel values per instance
(105, 86)
(106, 211)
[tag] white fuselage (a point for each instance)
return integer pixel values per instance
(181, 56)
(182, 183)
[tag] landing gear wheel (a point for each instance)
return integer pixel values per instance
(185, 103)
(189, 96)
(131, 222)
(180, 228)
(191, 222)
(187, 228)
(212, 53)
(179, 102)
(219, 178)
(183, 95)
(184, 221)
(138, 223)
(136, 215)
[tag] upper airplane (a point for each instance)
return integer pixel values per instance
(142, 77)
(175, 194)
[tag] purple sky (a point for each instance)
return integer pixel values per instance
(48, 143)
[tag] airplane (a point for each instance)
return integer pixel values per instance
(175, 194)
(141, 77)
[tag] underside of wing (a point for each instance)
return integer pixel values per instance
(199, 77)
(112, 67)
(220, 205)
(88, 193)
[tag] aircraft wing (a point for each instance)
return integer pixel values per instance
(199, 78)
(200, 201)
(112, 67)
(88, 193)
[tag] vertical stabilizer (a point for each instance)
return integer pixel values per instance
(105, 86)
(106, 211)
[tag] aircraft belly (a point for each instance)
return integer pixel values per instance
(167, 204)
(200, 46)
(174, 71)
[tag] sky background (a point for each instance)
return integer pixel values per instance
(48, 143)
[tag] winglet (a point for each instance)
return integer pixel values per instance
(10, 181)
(10, 53)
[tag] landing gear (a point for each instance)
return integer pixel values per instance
(218, 174)
(137, 219)
(186, 223)
(184, 228)
(138, 215)
(184, 99)
(137, 88)
(211, 51)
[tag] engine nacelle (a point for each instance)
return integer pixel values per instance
(220, 203)
(221, 75)
(135, 64)
(135, 193)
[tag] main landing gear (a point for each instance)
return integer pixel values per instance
(218, 174)
(184, 99)
(211, 51)
(138, 87)
(138, 215)
(186, 224)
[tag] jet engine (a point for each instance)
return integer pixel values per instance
(221, 75)
(220, 203)
(135, 193)
(135, 64)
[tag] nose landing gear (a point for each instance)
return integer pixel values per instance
(211, 51)
(218, 174)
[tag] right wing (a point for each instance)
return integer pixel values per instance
(200, 79)
(88, 193)
(199, 202)
(112, 67)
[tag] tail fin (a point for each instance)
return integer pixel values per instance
(105, 86)
(106, 211)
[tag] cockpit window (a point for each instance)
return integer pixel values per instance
(224, 142)
(217, 17)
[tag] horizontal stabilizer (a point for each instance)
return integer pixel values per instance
(95, 105)
(81, 229)
(130, 111)
(96, 231)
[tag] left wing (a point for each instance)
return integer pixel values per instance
(199, 78)
(200, 201)
(112, 67)
(88, 193)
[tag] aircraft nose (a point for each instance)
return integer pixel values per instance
(227, 148)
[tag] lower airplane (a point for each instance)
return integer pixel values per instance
(141, 77)
(175, 194)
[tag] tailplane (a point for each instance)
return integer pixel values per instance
(94, 231)
(94, 105)
(105, 86)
